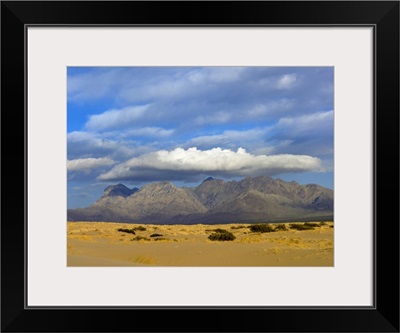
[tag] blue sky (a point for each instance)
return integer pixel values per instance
(135, 125)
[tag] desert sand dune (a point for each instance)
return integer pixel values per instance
(102, 244)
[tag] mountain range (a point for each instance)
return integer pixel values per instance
(252, 199)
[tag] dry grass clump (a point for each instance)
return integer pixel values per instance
(138, 238)
(280, 227)
(261, 228)
(304, 226)
(128, 231)
(139, 228)
(239, 227)
(216, 230)
(221, 235)
(156, 235)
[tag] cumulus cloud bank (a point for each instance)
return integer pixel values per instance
(88, 164)
(180, 164)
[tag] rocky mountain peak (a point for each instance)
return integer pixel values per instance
(118, 190)
(208, 179)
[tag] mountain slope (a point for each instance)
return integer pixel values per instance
(153, 201)
(213, 201)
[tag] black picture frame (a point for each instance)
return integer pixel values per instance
(383, 316)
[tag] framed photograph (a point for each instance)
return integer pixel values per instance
(200, 160)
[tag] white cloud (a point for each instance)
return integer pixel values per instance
(216, 118)
(88, 164)
(310, 123)
(308, 119)
(182, 84)
(115, 118)
(270, 108)
(88, 144)
(216, 74)
(148, 131)
(272, 147)
(287, 81)
(215, 161)
(230, 138)
(310, 134)
(77, 136)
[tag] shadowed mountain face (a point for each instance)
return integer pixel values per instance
(252, 199)
(119, 190)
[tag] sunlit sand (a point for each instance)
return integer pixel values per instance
(101, 244)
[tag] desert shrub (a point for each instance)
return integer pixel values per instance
(311, 225)
(221, 235)
(322, 223)
(261, 228)
(331, 226)
(221, 230)
(297, 226)
(305, 226)
(160, 238)
(280, 227)
(138, 238)
(217, 230)
(139, 228)
(129, 231)
(239, 227)
(156, 235)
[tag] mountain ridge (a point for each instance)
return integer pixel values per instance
(252, 199)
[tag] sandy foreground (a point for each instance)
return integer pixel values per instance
(101, 244)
